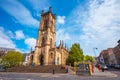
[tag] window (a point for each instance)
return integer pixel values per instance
(51, 42)
(51, 25)
(43, 42)
(45, 24)
(51, 55)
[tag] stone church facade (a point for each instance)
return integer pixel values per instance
(46, 52)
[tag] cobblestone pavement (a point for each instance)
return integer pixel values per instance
(45, 76)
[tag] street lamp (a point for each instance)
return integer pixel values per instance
(95, 53)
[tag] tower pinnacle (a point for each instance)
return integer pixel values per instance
(50, 9)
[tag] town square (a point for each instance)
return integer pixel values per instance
(59, 40)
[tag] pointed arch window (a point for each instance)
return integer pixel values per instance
(45, 24)
(43, 42)
(51, 25)
(51, 42)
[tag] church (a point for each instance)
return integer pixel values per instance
(46, 52)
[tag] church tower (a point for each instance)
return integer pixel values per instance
(46, 37)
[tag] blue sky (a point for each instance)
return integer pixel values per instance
(92, 23)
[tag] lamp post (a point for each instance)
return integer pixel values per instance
(95, 53)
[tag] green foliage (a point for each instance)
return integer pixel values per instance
(12, 58)
(75, 54)
(88, 58)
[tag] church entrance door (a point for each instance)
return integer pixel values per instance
(41, 60)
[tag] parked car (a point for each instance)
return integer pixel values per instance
(103, 66)
(117, 66)
(112, 65)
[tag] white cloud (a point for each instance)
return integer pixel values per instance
(19, 12)
(5, 41)
(31, 42)
(62, 35)
(61, 19)
(10, 34)
(102, 27)
(19, 34)
(97, 24)
(39, 5)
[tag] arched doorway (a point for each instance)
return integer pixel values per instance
(51, 58)
(41, 58)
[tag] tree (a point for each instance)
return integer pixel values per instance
(13, 58)
(88, 58)
(75, 54)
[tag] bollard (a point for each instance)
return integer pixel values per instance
(102, 69)
(53, 70)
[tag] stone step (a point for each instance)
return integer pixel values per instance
(37, 69)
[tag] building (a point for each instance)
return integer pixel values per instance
(104, 57)
(116, 51)
(4, 50)
(46, 52)
(107, 57)
(111, 55)
(96, 60)
(112, 58)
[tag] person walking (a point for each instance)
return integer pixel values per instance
(98, 66)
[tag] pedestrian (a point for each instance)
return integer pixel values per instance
(66, 69)
(98, 66)
(92, 67)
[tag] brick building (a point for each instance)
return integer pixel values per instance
(105, 56)
(116, 51)
(112, 58)
(111, 55)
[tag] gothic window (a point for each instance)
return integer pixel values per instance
(51, 25)
(45, 24)
(57, 60)
(51, 43)
(43, 42)
(51, 55)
